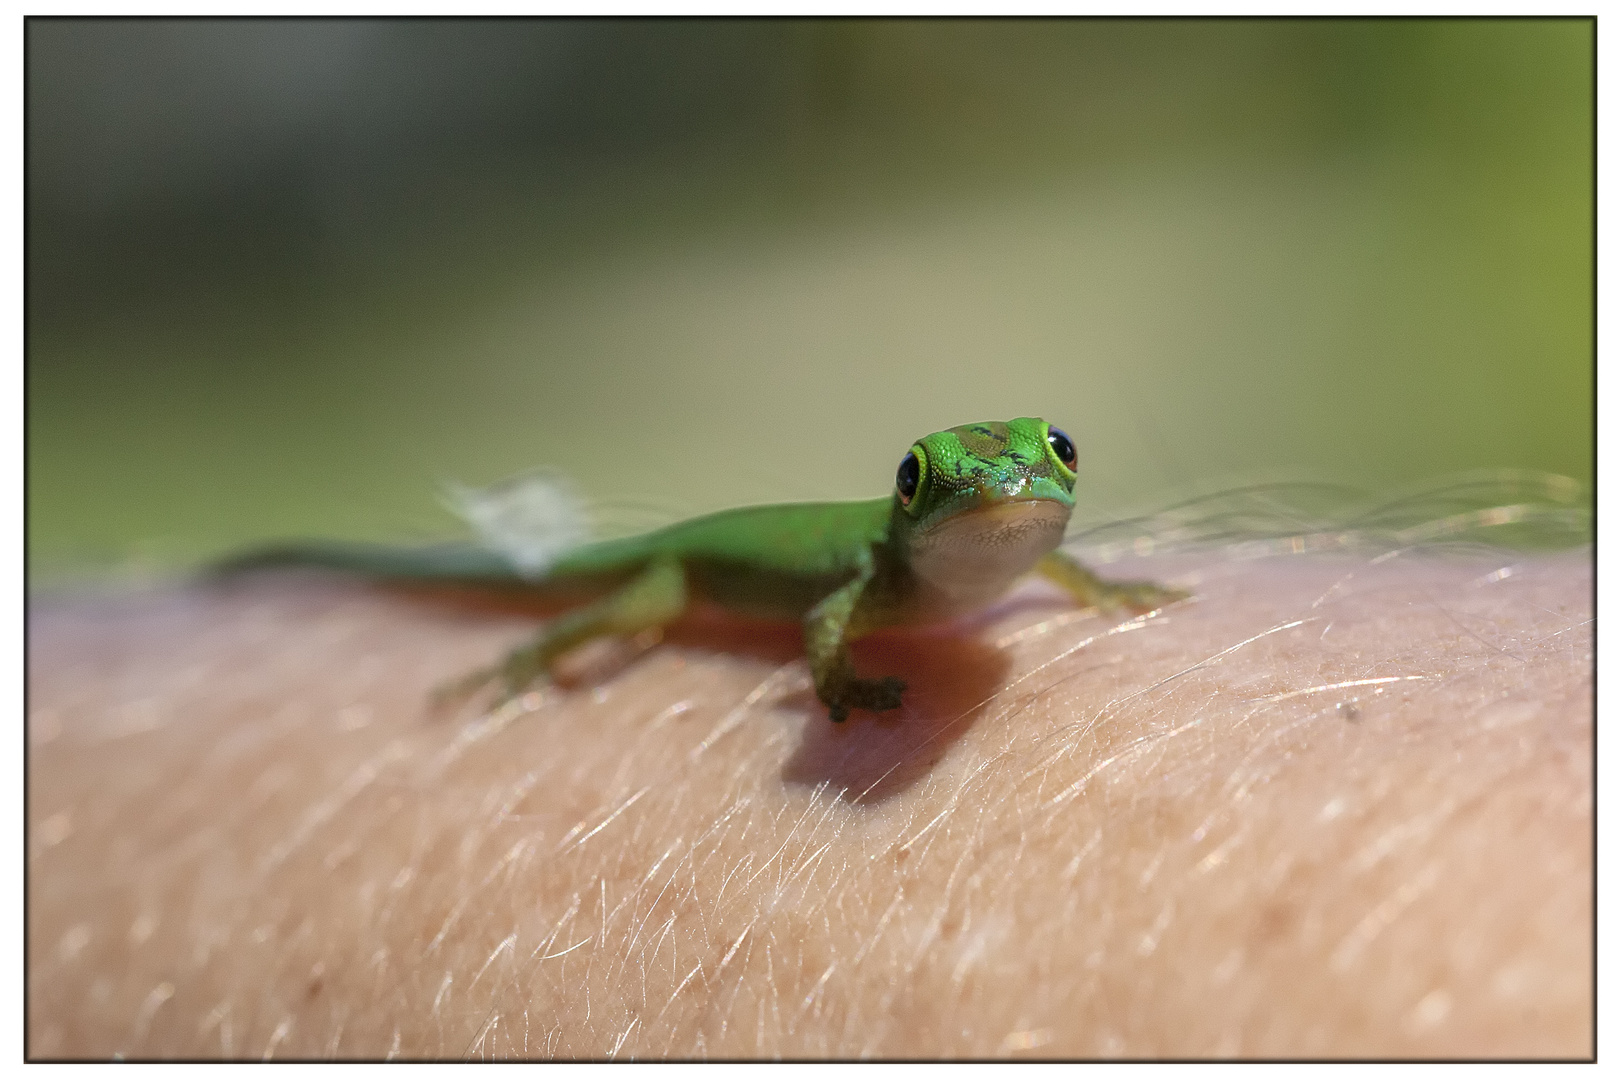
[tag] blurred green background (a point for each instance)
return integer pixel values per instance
(289, 277)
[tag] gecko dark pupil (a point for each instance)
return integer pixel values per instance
(906, 477)
(1061, 446)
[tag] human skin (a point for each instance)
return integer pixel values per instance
(1332, 806)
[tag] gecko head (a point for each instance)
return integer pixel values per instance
(983, 502)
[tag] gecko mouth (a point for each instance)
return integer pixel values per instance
(990, 544)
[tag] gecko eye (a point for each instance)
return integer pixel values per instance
(1062, 447)
(906, 478)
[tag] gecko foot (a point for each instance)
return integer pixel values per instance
(509, 684)
(453, 692)
(877, 695)
(1141, 596)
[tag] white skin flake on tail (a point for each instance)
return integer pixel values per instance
(531, 518)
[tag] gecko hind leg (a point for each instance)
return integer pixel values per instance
(651, 600)
(1089, 590)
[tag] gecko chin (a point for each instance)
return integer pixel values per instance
(978, 553)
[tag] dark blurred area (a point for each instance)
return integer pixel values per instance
(285, 276)
(164, 154)
(168, 156)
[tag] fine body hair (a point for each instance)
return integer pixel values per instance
(1336, 805)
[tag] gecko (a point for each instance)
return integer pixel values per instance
(973, 509)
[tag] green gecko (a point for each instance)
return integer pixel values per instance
(974, 508)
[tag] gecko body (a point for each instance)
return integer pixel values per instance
(973, 509)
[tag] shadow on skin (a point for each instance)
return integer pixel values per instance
(872, 757)
(716, 630)
(950, 676)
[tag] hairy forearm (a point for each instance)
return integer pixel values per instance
(1329, 807)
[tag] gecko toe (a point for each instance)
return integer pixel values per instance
(879, 695)
(888, 695)
(456, 691)
(874, 695)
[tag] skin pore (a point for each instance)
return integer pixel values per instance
(1335, 805)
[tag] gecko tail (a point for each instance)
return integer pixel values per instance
(455, 562)
(531, 519)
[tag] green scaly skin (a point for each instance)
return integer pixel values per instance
(990, 505)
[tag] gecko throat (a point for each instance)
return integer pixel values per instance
(975, 555)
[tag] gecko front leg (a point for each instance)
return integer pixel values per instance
(1089, 590)
(829, 627)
